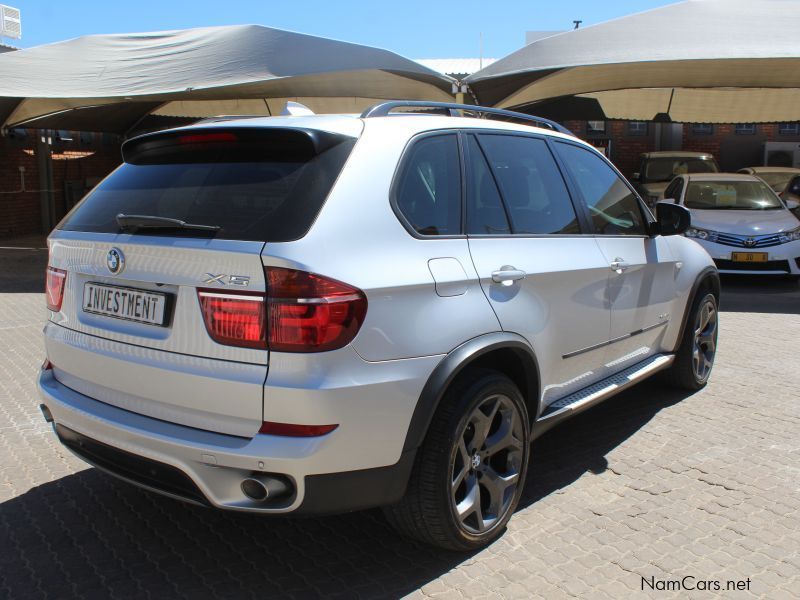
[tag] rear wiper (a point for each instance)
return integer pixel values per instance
(134, 222)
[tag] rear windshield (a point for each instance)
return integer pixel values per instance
(664, 169)
(266, 199)
(731, 195)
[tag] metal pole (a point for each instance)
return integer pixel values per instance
(46, 185)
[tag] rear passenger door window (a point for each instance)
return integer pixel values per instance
(485, 212)
(613, 207)
(536, 198)
(428, 189)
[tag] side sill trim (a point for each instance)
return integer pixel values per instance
(615, 340)
(583, 400)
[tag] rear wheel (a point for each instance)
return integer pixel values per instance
(695, 357)
(470, 470)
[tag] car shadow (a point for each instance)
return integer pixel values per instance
(580, 445)
(89, 535)
(759, 294)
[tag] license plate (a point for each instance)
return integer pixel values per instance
(125, 303)
(749, 256)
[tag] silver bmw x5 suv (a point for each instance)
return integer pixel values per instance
(318, 314)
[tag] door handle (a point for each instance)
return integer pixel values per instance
(507, 275)
(619, 266)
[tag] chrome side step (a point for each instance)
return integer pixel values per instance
(582, 399)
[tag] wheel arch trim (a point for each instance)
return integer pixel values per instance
(710, 275)
(454, 363)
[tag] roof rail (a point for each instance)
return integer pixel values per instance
(384, 108)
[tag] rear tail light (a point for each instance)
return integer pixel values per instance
(311, 313)
(234, 319)
(301, 312)
(54, 288)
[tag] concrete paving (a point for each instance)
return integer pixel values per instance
(643, 491)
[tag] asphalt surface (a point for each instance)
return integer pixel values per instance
(651, 484)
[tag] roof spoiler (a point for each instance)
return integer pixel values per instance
(229, 144)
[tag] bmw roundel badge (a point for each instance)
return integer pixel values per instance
(115, 261)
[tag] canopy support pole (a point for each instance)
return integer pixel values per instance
(44, 157)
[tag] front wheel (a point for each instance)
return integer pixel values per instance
(695, 356)
(469, 473)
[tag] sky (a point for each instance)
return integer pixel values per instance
(413, 28)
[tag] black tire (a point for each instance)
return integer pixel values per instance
(428, 510)
(683, 373)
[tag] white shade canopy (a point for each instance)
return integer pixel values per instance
(110, 82)
(708, 61)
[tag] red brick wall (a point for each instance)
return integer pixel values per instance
(89, 156)
(19, 211)
(732, 151)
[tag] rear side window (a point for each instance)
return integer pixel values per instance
(267, 190)
(613, 207)
(428, 189)
(531, 185)
(485, 212)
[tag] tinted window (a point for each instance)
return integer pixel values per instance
(428, 191)
(485, 212)
(613, 207)
(531, 185)
(270, 200)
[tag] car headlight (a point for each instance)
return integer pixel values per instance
(701, 234)
(790, 236)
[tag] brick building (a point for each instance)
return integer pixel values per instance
(734, 145)
(28, 202)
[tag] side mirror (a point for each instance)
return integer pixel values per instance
(672, 219)
(792, 204)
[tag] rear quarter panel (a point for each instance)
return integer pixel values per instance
(358, 239)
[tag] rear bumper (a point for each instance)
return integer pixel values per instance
(208, 468)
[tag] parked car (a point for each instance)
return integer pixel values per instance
(791, 195)
(775, 177)
(741, 222)
(318, 314)
(657, 169)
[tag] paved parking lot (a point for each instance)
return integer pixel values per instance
(653, 484)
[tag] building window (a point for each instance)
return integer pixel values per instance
(595, 127)
(789, 128)
(702, 129)
(637, 128)
(745, 128)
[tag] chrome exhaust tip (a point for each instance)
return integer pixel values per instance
(260, 488)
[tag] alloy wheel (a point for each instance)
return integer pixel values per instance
(485, 464)
(705, 340)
